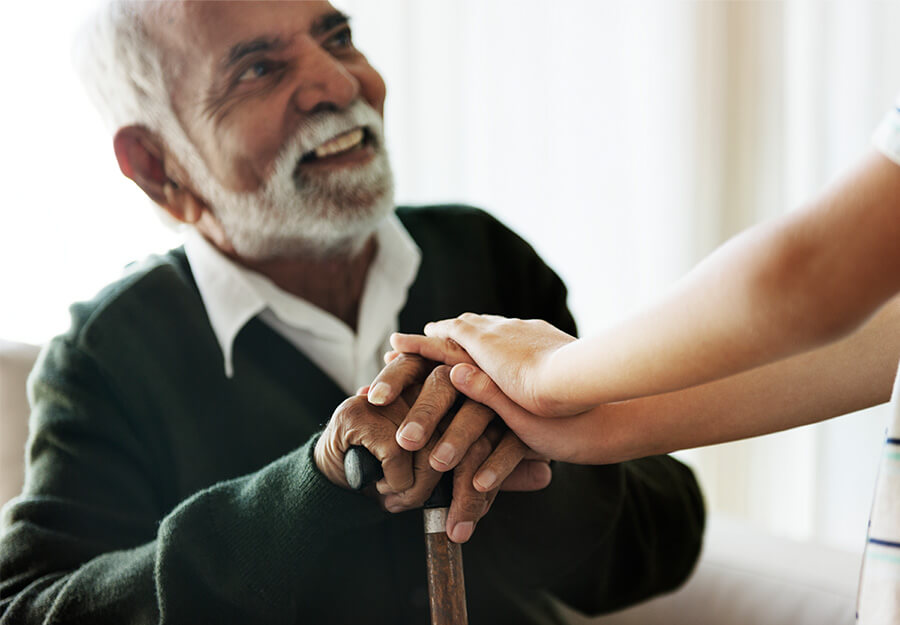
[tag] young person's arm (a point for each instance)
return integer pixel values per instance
(851, 374)
(776, 290)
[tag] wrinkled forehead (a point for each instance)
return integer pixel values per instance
(196, 37)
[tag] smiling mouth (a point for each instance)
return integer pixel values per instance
(341, 144)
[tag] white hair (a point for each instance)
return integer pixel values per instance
(121, 68)
(123, 71)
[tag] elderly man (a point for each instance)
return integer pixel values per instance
(178, 470)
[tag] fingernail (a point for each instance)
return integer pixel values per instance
(461, 532)
(461, 373)
(444, 454)
(486, 479)
(412, 432)
(378, 394)
(392, 504)
(428, 328)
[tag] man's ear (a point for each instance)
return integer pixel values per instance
(142, 158)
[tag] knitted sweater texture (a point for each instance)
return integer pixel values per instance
(160, 491)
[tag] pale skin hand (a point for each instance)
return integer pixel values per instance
(778, 289)
(409, 477)
(851, 374)
(517, 354)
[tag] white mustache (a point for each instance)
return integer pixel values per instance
(327, 125)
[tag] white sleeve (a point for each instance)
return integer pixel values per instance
(887, 136)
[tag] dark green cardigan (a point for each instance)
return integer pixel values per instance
(158, 490)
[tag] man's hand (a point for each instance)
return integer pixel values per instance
(356, 422)
(410, 466)
(424, 422)
(580, 439)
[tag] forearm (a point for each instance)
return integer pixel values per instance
(849, 375)
(99, 534)
(254, 543)
(775, 291)
(714, 322)
(241, 550)
(113, 588)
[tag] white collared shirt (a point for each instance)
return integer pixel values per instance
(233, 295)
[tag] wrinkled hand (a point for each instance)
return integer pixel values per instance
(355, 422)
(515, 353)
(483, 456)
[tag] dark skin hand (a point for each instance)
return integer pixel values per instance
(412, 467)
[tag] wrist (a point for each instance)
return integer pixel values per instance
(328, 461)
(557, 388)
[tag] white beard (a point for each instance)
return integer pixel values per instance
(318, 214)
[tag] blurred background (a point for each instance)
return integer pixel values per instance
(624, 139)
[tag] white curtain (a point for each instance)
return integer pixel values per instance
(624, 139)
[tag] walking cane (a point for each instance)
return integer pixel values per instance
(446, 586)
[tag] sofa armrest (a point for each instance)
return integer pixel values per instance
(16, 361)
(749, 577)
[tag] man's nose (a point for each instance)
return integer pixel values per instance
(323, 80)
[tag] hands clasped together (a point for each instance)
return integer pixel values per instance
(413, 420)
(510, 366)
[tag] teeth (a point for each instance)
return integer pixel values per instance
(341, 143)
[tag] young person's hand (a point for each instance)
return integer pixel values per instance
(580, 439)
(517, 355)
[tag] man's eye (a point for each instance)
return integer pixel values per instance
(257, 70)
(341, 39)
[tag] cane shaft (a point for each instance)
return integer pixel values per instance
(446, 586)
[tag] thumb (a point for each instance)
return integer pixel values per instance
(476, 385)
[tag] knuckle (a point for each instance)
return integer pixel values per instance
(390, 450)
(441, 374)
(516, 448)
(428, 409)
(439, 382)
(452, 346)
(481, 448)
(466, 426)
(354, 408)
(407, 362)
(408, 359)
(472, 507)
(413, 497)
